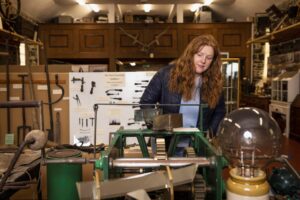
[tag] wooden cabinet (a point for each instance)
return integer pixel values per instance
(295, 118)
(233, 39)
(59, 43)
(160, 40)
(261, 102)
(72, 41)
(86, 42)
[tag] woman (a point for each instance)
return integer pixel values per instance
(195, 78)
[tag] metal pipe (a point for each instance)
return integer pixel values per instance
(14, 161)
(95, 128)
(66, 160)
(150, 104)
(20, 104)
(152, 163)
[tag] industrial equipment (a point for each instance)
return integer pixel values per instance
(248, 140)
(197, 175)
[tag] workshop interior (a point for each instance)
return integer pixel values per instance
(72, 74)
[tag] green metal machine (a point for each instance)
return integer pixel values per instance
(115, 164)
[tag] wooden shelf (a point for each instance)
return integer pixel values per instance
(18, 38)
(281, 35)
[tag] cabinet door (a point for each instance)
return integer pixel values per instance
(59, 42)
(141, 41)
(128, 42)
(189, 32)
(233, 37)
(163, 42)
(93, 43)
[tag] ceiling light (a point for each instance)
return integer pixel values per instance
(81, 2)
(132, 64)
(94, 7)
(208, 2)
(195, 7)
(147, 7)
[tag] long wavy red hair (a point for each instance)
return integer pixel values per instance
(182, 76)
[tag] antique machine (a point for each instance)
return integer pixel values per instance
(157, 173)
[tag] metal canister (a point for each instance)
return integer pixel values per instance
(62, 177)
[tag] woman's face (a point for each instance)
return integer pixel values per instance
(203, 59)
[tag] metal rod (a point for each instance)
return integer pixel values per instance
(150, 163)
(95, 128)
(152, 104)
(66, 160)
(50, 136)
(13, 162)
(7, 87)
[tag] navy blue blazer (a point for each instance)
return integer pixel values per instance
(158, 92)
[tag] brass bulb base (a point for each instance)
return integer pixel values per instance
(240, 187)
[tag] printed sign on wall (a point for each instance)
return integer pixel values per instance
(87, 89)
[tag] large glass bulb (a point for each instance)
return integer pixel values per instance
(249, 137)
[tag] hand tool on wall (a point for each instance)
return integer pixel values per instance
(82, 82)
(93, 83)
(77, 100)
(35, 111)
(110, 90)
(7, 84)
(24, 128)
(50, 130)
(57, 128)
(61, 88)
(92, 120)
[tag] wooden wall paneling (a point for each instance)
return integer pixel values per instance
(59, 41)
(95, 41)
(107, 41)
(233, 38)
(190, 31)
(167, 43)
(127, 47)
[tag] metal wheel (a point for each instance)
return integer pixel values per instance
(160, 149)
(10, 9)
(189, 152)
(199, 187)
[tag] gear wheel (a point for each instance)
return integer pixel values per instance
(189, 152)
(199, 187)
(160, 149)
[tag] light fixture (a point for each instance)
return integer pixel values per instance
(81, 2)
(208, 2)
(147, 7)
(94, 7)
(132, 64)
(195, 7)
(248, 140)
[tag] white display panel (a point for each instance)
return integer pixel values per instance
(110, 87)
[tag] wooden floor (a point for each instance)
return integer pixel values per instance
(291, 148)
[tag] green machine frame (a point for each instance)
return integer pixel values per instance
(212, 174)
